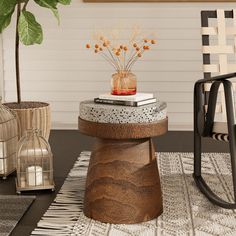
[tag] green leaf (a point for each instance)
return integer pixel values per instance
(51, 4)
(5, 21)
(65, 2)
(56, 14)
(30, 31)
(47, 3)
(7, 7)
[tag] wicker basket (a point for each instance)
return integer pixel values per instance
(8, 141)
(35, 115)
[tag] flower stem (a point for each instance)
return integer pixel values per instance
(109, 61)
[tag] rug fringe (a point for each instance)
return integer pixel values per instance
(61, 216)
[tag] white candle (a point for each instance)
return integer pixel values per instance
(1, 166)
(34, 175)
(2, 157)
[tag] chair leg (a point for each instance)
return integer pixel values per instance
(232, 148)
(200, 182)
(197, 154)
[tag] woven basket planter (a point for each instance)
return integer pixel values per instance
(32, 115)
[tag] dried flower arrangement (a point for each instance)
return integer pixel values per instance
(121, 57)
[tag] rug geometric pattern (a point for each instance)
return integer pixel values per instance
(12, 208)
(186, 210)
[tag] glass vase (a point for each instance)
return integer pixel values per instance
(123, 83)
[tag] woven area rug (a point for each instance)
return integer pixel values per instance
(12, 208)
(186, 210)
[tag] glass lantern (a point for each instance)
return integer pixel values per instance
(34, 163)
(8, 141)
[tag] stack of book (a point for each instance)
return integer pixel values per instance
(139, 99)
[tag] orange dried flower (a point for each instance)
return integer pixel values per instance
(117, 55)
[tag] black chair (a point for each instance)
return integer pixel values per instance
(207, 90)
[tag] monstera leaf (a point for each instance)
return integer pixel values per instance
(30, 31)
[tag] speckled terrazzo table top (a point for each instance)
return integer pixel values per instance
(100, 113)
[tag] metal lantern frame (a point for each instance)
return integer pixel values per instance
(34, 163)
(8, 141)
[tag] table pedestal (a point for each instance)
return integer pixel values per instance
(123, 184)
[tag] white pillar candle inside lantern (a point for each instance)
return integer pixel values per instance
(2, 157)
(1, 165)
(34, 175)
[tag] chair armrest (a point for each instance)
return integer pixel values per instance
(217, 78)
(203, 123)
(229, 102)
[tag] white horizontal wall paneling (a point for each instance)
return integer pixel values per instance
(62, 72)
(1, 68)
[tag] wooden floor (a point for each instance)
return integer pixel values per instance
(66, 146)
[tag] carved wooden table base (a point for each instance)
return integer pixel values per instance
(123, 184)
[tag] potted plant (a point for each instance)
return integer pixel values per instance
(28, 31)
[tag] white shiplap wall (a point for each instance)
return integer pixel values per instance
(63, 73)
(1, 68)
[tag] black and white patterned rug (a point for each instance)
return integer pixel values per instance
(186, 210)
(12, 208)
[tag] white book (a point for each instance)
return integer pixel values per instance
(125, 103)
(132, 98)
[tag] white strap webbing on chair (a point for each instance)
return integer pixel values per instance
(214, 30)
(222, 57)
(222, 50)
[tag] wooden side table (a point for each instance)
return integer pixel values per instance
(123, 183)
